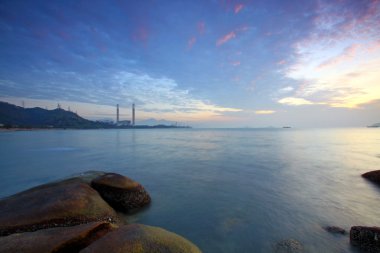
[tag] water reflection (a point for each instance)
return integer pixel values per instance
(226, 190)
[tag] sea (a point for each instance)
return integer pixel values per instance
(226, 190)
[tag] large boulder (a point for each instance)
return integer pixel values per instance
(65, 203)
(121, 192)
(366, 238)
(62, 239)
(373, 176)
(136, 238)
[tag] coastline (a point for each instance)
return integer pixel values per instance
(16, 129)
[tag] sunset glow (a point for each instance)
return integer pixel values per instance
(219, 66)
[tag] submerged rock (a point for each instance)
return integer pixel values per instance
(62, 239)
(289, 246)
(373, 176)
(365, 238)
(66, 203)
(136, 238)
(121, 192)
(335, 230)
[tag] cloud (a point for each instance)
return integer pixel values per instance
(191, 42)
(286, 89)
(141, 34)
(294, 101)
(156, 96)
(201, 26)
(238, 8)
(226, 38)
(338, 63)
(347, 54)
(264, 112)
(232, 34)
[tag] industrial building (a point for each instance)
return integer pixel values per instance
(122, 123)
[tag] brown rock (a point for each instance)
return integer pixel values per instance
(366, 238)
(88, 176)
(121, 192)
(136, 238)
(63, 239)
(373, 176)
(335, 230)
(66, 203)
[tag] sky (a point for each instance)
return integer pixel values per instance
(216, 63)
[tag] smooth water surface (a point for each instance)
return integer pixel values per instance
(232, 190)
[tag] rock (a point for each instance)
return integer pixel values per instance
(136, 238)
(62, 239)
(121, 192)
(335, 230)
(289, 246)
(373, 176)
(88, 176)
(366, 238)
(66, 203)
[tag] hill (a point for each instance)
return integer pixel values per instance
(16, 116)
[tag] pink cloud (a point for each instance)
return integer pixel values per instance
(336, 22)
(191, 42)
(226, 38)
(348, 53)
(141, 34)
(201, 27)
(231, 35)
(374, 46)
(238, 8)
(235, 63)
(282, 62)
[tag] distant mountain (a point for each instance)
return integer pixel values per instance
(16, 116)
(155, 122)
(375, 125)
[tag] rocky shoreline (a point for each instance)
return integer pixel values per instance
(365, 239)
(79, 215)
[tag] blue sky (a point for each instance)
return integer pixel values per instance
(218, 63)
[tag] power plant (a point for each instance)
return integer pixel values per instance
(117, 114)
(133, 114)
(125, 122)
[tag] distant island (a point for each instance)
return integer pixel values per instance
(16, 117)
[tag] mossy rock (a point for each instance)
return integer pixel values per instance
(122, 193)
(136, 238)
(62, 239)
(65, 203)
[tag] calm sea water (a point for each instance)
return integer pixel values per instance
(236, 190)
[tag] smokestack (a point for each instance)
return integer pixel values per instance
(133, 114)
(117, 114)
